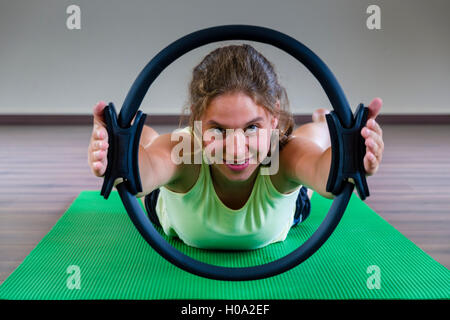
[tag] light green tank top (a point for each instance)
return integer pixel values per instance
(200, 219)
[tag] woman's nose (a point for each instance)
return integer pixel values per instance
(236, 145)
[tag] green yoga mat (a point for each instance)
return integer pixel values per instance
(94, 252)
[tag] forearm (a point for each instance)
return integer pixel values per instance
(322, 172)
(145, 172)
(147, 137)
(156, 167)
(148, 134)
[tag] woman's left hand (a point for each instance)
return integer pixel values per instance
(373, 136)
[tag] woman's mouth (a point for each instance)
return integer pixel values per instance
(239, 166)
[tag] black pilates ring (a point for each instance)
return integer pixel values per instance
(347, 149)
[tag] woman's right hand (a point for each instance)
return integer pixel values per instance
(98, 146)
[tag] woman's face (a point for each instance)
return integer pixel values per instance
(236, 135)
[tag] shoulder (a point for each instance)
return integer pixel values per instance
(293, 159)
(290, 154)
(281, 180)
(180, 141)
(181, 147)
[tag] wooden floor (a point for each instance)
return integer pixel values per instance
(43, 168)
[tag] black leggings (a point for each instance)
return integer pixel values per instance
(302, 207)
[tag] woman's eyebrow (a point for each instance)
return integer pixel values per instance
(213, 122)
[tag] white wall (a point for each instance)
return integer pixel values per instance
(46, 68)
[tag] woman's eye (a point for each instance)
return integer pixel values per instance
(219, 130)
(251, 129)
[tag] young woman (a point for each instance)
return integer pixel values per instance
(236, 103)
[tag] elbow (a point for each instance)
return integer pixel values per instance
(322, 192)
(327, 195)
(141, 194)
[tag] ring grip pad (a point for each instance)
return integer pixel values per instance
(123, 152)
(348, 151)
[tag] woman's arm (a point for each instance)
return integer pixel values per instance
(308, 162)
(156, 167)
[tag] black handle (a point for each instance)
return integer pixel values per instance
(123, 152)
(348, 150)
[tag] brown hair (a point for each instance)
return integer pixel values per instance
(239, 68)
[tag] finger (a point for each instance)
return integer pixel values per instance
(99, 145)
(374, 108)
(372, 147)
(99, 168)
(100, 133)
(371, 157)
(374, 126)
(375, 149)
(103, 145)
(368, 133)
(99, 155)
(98, 113)
(370, 163)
